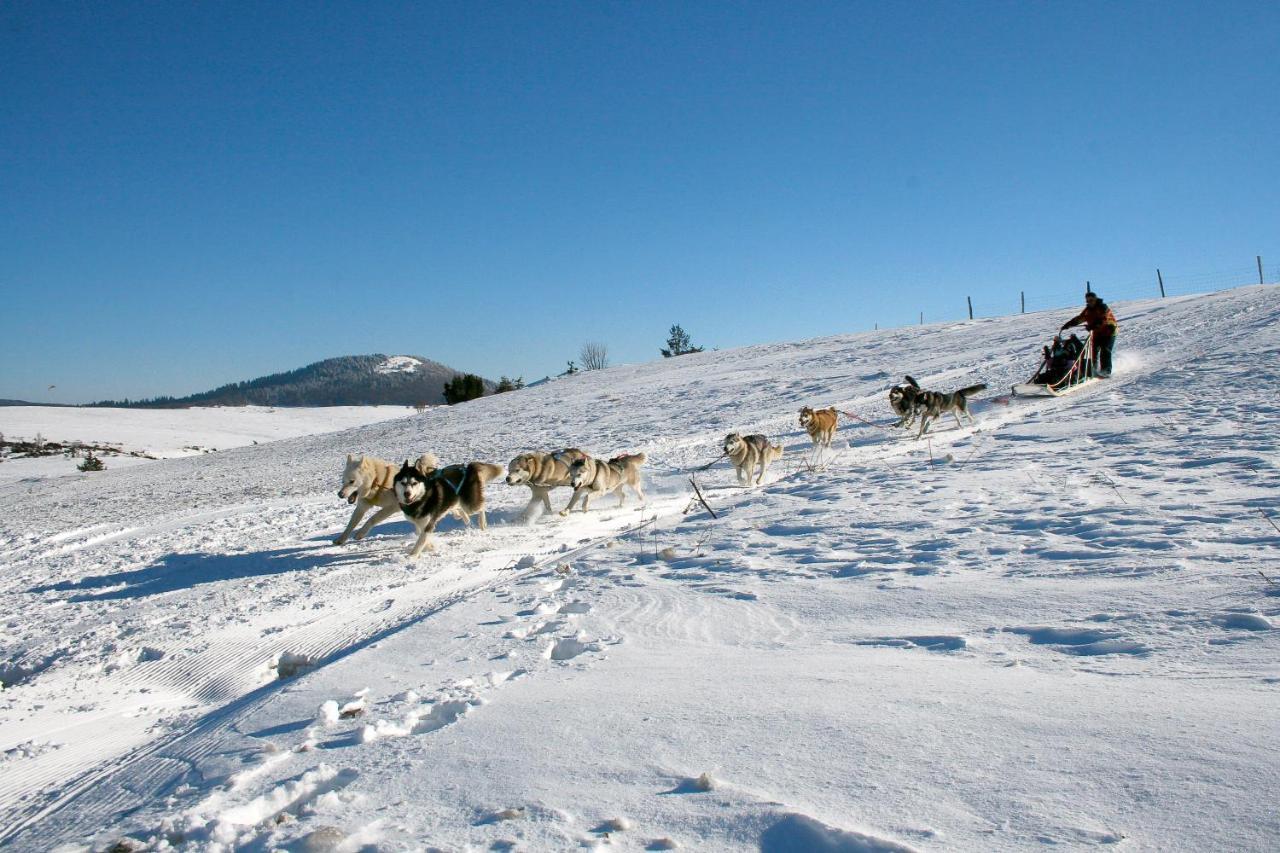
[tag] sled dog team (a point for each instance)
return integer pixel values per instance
(424, 491)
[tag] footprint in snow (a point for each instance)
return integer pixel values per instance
(568, 648)
(1241, 621)
(938, 643)
(1081, 641)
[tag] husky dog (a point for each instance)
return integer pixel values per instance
(748, 452)
(592, 477)
(542, 472)
(426, 494)
(934, 404)
(903, 399)
(367, 482)
(820, 424)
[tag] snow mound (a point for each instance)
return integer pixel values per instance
(798, 833)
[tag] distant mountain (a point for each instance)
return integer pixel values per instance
(352, 380)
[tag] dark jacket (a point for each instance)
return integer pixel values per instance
(1097, 318)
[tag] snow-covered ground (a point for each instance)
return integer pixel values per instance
(167, 433)
(1051, 628)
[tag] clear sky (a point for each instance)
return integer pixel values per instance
(192, 194)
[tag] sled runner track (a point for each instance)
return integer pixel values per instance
(59, 542)
(222, 674)
(59, 545)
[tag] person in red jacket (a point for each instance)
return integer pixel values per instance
(1101, 323)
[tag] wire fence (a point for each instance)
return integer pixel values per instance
(1163, 283)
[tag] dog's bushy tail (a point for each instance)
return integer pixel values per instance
(972, 389)
(485, 471)
(427, 462)
(637, 458)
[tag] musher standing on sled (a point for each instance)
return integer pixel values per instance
(1101, 323)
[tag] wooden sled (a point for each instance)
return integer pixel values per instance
(1078, 376)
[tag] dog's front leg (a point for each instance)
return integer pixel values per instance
(526, 515)
(424, 541)
(377, 518)
(622, 496)
(360, 510)
(573, 501)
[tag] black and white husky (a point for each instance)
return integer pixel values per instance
(426, 494)
(903, 399)
(932, 405)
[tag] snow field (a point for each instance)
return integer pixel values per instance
(1052, 633)
(168, 433)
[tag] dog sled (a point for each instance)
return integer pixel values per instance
(1067, 366)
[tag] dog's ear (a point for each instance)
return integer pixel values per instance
(351, 457)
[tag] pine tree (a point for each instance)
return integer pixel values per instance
(91, 463)
(678, 343)
(463, 387)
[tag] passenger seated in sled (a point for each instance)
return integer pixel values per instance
(1058, 359)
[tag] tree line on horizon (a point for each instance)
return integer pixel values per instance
(343, 381)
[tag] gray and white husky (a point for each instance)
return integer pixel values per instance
(542, 472)
(932, 405)
(748, 452)
(590, 476)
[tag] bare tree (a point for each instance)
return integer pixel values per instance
(594, 356)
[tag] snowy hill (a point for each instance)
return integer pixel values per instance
(1051, 628)
(352, 380)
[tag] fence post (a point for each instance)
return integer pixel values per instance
(1160, 279)
(1260, 281)
(1023, 294)
(969, 299)
(921, 318)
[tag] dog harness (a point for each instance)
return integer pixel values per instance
(457, 490)
(386, 482)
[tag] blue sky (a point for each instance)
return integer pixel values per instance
(196, 194)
